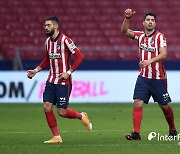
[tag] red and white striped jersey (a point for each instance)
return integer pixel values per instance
(149, 48)
(58, 55)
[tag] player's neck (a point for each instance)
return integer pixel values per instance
(149, 32)
(53, 37)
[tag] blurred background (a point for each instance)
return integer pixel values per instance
(94, 26)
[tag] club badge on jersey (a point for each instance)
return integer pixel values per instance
(58, 47)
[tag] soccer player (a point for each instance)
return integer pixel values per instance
(152, 79)
(59, 49)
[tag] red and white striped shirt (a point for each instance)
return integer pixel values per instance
(149, 48)
(58, 55)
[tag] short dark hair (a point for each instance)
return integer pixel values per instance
(149, 14)
(53, 19)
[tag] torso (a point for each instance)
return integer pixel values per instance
(149, 48)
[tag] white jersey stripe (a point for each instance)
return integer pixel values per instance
(70, 46)
(140, 39)
(157, 64)
(149, 57)
(63, 55)
(56, 64)
(50, 47)
(46, 44)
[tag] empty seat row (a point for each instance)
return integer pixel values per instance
(93, 25)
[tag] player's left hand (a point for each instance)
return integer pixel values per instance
(64, 76)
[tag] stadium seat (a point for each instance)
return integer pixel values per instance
(93, 25)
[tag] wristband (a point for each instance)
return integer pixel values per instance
(69, 72)
(36, 70)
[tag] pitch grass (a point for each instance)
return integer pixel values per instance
(23, 129)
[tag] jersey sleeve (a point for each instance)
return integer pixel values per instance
(45, 61)
(75, 51)
(162, 41)
(137, 34)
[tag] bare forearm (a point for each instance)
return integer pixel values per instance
(125, 26)
(159, 58)
(128, 13)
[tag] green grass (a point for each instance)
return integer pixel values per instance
(23, 129)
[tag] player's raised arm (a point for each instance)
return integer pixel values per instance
(125, 25)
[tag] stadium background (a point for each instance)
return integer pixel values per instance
(94, 26)
(110, 60)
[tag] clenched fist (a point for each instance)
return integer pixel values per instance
(129, 13)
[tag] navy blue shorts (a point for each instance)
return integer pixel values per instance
(57, 94)
(145, 88)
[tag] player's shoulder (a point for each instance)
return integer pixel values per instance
(138, 34)
(160, 34)
(67, 38)
(47, 39)
(64, 35)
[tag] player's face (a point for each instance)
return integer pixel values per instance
(49, 27)
(149, 23)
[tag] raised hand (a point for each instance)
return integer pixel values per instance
(129, 13)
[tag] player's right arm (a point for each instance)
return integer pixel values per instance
(125, 25)
(44, 63)
(32, 73)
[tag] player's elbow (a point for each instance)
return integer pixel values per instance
(123, 30)
(81, 57)
(165, 55)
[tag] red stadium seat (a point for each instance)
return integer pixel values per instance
(93, 25)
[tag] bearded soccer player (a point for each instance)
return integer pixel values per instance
(152, 79)
(59, 49)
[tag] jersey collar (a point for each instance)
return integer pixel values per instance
(151, 34)
(56, 37)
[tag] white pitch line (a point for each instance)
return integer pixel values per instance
(63, 131)
(90, 145)
(70, 131)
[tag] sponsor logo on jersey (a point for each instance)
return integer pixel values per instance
(54, 55)
(147, 48)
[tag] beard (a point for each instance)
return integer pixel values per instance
(50, 33)
(150, 29)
